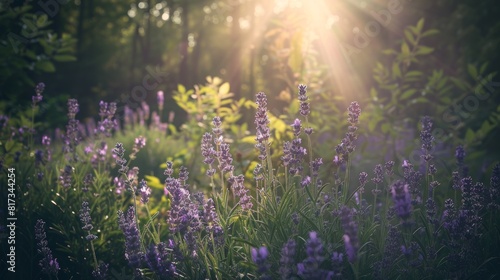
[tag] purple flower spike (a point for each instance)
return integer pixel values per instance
(49, 265)
(402, 200)
(259, 257)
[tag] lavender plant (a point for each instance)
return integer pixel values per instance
(283, 215)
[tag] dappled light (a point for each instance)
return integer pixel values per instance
(249, 139)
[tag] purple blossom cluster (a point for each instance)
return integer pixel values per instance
(158, 258)
(287, 260)
(241, 192)
(293, 155)
(402, 200)
(128, 225)
(309, 268)
(49, 265)
(351, 241)
(40, 87)
(72, 137)
(119, 153)
(87, 221)
(347, 145)
(65, 179)
(426, 138)
(107, 123)
(262, 125)
(208, 152)
(259, 257)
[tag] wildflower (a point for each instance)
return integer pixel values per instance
(217, 130)
(259, 257)
(225, 158)
(160, 98)
(426, 138)
(157, 259)
(72, 137)
(379, 175)
(128, 225)
(388, 167)
(38, 90)
(119, 152)
(242, 192)
(46, 140)
(297, 126)
(257, 172)
(304, 105)
(363, 176)
(169, 170)
(39, 157)
(347, 144)
(86, 220)
(337, 260)
(308, 130)
(208, 152)
(350, 237)
(87, 181)
(65, 178)
(494, 190)
(145, 191)
(305, 182)
(101, 272)
(262, 124)
(49, 265)
(315, 165)
(310, 267)
(287, 259)
(139, 143)
(402, 200)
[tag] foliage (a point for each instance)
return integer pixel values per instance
(284, 218)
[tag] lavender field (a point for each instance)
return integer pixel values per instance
(294, 164)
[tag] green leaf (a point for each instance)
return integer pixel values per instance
(409, 36)
(396, 72)
(224, 89)
(472, 70)
(407, 94)
(181, 89)
(430, 32)
(469, 136)
(64, 58)
(420, 26)
(405, 50)
(154, 182)
(46, 66)
(422, 50)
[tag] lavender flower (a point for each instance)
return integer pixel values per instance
(101, 272)
(305, 109)
(208, 152)
(297, 127)
(158, 261)
(49, 265)
(379, 174)
(402, 200)
(217, 123)
(87, 221)
(315, 165)
(145, 191)
(119, 152)
(160, 98)
(426, 138)
(347, 144)
(128, 225)
(287, 259)
(310, 267)
(38, 90)
(72, 137)
(66, 176)
(87, 181)
(494, 190)
(350, 237)
(259, 257)
(262, 125)
(241, 192)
